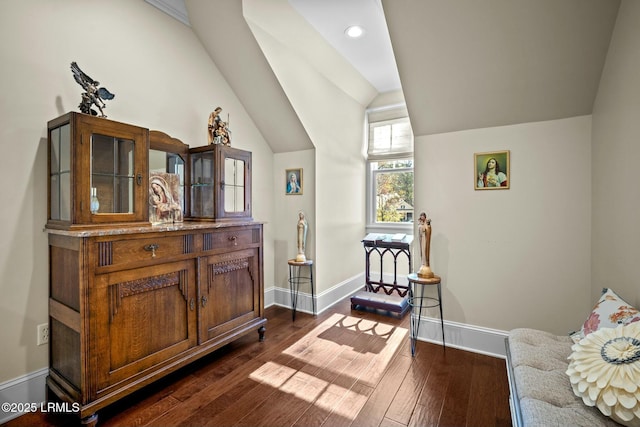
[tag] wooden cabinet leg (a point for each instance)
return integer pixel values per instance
(261, 333)
(90, 421)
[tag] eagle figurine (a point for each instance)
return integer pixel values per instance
(93, 95)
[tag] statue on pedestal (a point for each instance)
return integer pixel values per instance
(424, 234)
(302, 237)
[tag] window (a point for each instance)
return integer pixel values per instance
(393, 188)
(390, 170)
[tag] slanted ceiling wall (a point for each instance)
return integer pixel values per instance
(614, 167)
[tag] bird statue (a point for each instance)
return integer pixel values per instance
(93, 95)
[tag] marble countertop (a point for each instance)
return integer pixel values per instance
(115, 229)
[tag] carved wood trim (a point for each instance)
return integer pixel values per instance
(105, 254)
(118, 291)
(187, 244)
(207, 241)
(230, 265)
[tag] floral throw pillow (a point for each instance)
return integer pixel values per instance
(609, 312)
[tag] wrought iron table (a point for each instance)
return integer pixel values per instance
(418, 301)
(383, 244)
(296, 279)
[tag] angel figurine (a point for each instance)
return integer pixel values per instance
(94, 94)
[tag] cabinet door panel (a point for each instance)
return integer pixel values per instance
(229, 292)
(144, 316)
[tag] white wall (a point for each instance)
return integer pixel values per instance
(287, 208)
(616, 163)
(163, 79)
(517, 257)
(335, 124)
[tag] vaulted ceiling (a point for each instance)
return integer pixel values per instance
(467, 64)
(463, 64)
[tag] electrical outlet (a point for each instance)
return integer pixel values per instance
(43, 334)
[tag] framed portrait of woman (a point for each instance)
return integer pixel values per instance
(165, 198)
(492, 170)
(293, 184)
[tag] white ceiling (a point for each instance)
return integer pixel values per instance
(371, 54)
(463, 64)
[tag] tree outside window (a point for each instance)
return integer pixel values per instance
(394, 190)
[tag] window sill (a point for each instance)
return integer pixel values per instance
(406, 228)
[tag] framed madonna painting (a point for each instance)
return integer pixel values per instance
(165, 198)
(294, 181)
(492, 170)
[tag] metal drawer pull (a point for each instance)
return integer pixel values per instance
(234, 239)
(192, 304)
(204, 301)
(151, 248)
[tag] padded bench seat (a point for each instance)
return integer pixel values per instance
(380, 301)
(540, 391)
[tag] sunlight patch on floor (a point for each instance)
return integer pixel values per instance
(340, 352)
(306, 387)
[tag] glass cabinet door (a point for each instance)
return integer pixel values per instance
(220, 183)
(98, 172)
(60, 173)
(233, 185)
(202, 173)
(112, 174)
(234, 193)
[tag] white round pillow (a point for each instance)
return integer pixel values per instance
(604, 371)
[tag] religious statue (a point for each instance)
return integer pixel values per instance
(302, 237)
(93, 95)
(214, 122)
(424, 233)
(217, 130)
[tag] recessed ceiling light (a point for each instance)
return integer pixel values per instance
(354, 31)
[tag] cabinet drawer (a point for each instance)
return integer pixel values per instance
(232, 238)
(137, 251)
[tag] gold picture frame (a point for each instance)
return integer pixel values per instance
(492, 170)
(293, 182)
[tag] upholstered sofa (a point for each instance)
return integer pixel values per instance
(540, 391)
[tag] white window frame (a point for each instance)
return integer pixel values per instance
(372, 225)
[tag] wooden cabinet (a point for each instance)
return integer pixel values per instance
(220, 183)
(131, 305)
(129, 301)
(228, 277)
(98, 172)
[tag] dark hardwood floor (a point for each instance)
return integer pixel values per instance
(341, 368)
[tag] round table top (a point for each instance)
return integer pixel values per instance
(298, 263)
(413, 277)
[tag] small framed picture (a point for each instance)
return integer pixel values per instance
(492, 170)
(294, 181)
